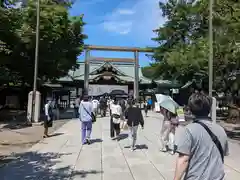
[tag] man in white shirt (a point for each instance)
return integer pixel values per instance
(85, 111)
(76, 106)
(110, 105)
(95, 103)
(48, 121)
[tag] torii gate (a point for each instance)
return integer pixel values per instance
(135, 60)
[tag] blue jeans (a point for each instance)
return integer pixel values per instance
(133, 135)
(86, 130)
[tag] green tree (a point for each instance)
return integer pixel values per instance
(61, 41)
(9, 41)
(183, 40)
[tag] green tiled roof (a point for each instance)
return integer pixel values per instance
(126, 72)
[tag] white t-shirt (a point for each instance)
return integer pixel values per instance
(116, 109)
(85, 110)
(46, 108)
(95, 103)
(110, 104)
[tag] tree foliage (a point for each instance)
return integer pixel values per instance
(183, 49)
(61, 40)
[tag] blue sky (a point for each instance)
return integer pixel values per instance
(119, 23)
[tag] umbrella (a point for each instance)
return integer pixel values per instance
(161, 97)
(169, 104)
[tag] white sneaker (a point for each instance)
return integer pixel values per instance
(172, 153)
(163, 149)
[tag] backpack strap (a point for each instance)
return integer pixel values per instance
(213, 137)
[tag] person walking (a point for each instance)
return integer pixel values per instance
(111, 101)
(48, 121)
(115, 120)
(165, 129)
(149, 102)
(103, 106)
(174, 122)
(201, 145)
(145, 108)
(85, 116)
(76, 106)
(134, 118)
(95, 103)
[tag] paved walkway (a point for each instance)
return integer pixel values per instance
(62, 157)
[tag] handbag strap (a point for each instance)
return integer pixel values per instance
(213, 137)
(86, 110)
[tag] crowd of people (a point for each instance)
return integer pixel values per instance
(123, 113)
(201, 145)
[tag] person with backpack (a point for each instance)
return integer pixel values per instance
(201, 145)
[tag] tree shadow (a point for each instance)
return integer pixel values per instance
(44, 166)
(18, 143)
(16, 125)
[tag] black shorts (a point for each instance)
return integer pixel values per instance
(48, 123)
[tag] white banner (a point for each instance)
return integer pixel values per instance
(95, 89)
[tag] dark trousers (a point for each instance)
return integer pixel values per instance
(114, 128)
(76, 114)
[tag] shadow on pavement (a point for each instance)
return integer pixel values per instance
(44, 166)
(122, 136)
(142, 146)
(16, 125)
(96, 141)
(56, 134)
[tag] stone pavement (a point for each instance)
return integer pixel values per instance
(62, 157)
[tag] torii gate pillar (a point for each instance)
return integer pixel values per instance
(136, 76)
(86, 71)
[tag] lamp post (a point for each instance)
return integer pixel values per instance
(210, 61)
(36, 61)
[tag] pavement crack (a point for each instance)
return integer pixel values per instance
(126, 161)
(149, 159)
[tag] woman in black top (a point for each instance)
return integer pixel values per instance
(134, 118)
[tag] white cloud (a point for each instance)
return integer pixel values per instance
(126, 11)
(123, 27)
(139, 19)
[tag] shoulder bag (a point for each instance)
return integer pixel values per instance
(93, 117)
